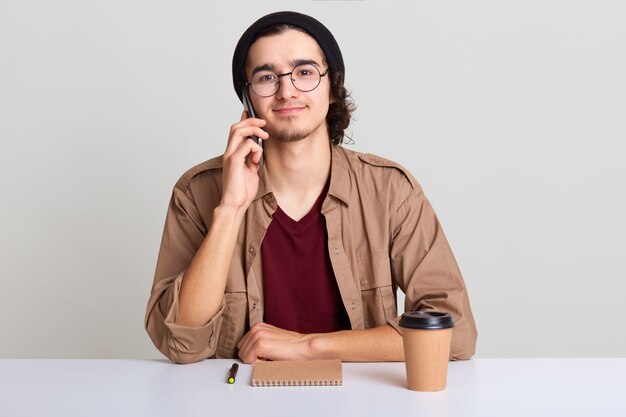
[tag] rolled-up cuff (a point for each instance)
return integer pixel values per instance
(191, 343)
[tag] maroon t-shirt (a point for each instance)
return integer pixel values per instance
(299, 287)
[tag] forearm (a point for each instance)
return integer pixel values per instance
(379, 344)
(202, 287)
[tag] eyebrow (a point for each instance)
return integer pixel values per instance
(264, 67)
(294, 63)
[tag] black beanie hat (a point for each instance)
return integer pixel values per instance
(317, 30)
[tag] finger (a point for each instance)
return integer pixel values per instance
(242, 345)
(246, 348)
(246, 115)
(245, 149)
(248, 356)
(257, 349)
(254, 158)
(248, 339)
(249, 120)
(242, 131)
(244, 156)
(237, 145)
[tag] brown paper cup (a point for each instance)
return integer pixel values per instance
(426, 354)
(427, 337)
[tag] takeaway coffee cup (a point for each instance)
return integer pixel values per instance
(426, 336)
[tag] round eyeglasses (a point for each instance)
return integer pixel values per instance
(304, 77)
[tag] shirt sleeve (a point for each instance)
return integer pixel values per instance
(183, 233)
(425, 269)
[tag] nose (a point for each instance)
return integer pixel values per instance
(286, 89)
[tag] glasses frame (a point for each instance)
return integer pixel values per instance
(293, 82)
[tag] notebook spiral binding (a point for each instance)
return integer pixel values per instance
(297, 383)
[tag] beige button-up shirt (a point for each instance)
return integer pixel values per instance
(382, 235)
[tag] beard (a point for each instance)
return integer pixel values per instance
(292, 131)
(289, 133)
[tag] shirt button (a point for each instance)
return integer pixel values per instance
(254, 306)
(336, 250)
(363, 281)
(251, 249)
(352, 306)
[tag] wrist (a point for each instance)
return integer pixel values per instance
(321, 346)
(228, 213)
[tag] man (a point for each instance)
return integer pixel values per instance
(299, 257)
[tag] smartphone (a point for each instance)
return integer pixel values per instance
(247, 104)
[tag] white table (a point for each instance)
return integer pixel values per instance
(480, 387)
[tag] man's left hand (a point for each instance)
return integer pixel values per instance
(268, 342)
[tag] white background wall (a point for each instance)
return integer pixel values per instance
(510, 114)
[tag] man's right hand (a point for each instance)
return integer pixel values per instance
(241, 163)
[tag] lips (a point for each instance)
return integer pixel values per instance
(291, 109)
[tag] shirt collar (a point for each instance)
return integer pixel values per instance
(339, 173)
(264, 184)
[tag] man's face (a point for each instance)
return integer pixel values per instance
(291, 114)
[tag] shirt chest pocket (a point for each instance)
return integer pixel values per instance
(235, 311)
(373, 273)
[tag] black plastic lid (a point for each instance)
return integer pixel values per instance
(426, 320)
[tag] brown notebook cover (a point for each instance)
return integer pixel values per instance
(297, 373)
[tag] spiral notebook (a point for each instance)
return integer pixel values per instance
(297, 373)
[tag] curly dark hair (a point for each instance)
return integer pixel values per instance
(340, 111)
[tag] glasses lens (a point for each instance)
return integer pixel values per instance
(306, 77)
(264, 83)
